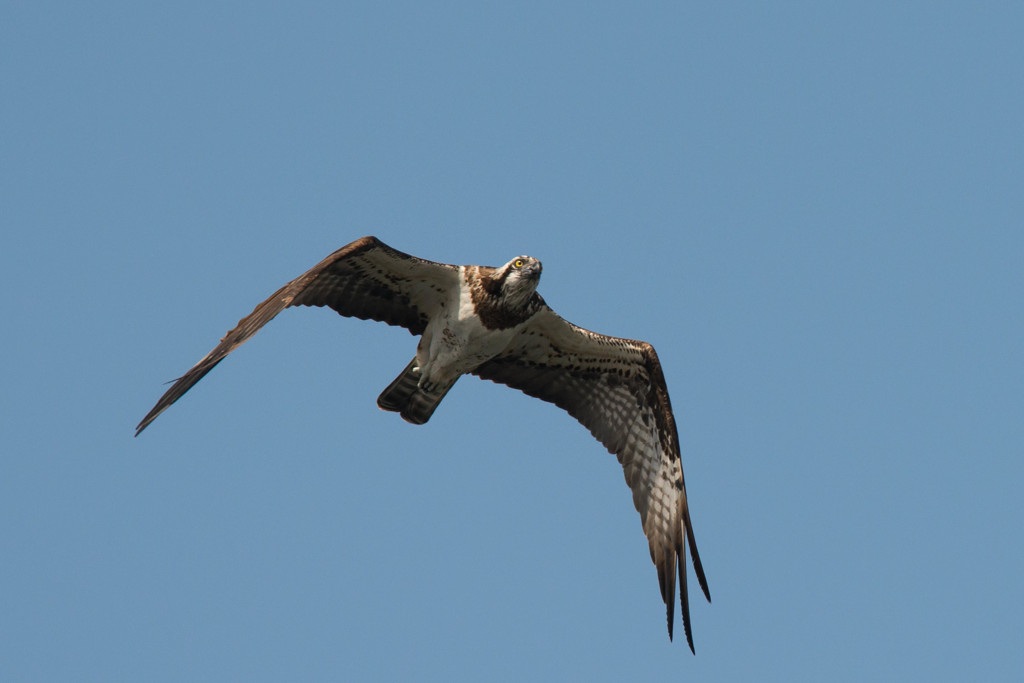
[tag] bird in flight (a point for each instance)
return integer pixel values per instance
(492, 323)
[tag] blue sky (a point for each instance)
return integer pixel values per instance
(813, 211)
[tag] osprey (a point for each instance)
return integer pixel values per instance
(491, 322)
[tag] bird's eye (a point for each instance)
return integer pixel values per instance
(519, 263)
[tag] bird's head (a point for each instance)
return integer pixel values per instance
(519, 279)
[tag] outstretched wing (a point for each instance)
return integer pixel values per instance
(365, 279)
(616, 389)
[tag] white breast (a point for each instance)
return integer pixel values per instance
(456, 342)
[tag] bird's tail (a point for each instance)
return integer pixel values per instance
(405, 396)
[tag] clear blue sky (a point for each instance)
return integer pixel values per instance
(815, 212)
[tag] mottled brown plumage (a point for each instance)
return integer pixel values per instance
(492, 323)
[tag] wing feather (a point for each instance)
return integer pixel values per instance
(616, 388)
(365, 279)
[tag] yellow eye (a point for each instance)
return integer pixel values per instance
(519, 263)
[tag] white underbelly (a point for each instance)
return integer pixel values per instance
(456, 342)
(454, 346)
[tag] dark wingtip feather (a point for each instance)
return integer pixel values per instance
(667, 583)
(142, 425)
(667, 574)
(181, 386)
(670, 612)
(684, 599)
(698, 568)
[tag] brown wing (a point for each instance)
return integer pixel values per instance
(365, 279)
(616, 389)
